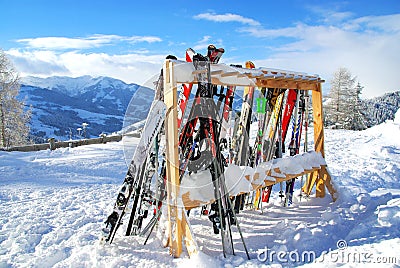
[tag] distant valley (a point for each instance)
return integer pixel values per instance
(60, 105)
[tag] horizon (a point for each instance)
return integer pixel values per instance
(74, 38)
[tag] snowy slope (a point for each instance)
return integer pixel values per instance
(53, 204)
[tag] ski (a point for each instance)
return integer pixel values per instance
(133, 180)
(295, 142)
(270, 133)
(240, 142)
(185, 90)
(201, 101)
(261, 112)
(208, 136)
(287, 113)
(208, 132)
(241, 139)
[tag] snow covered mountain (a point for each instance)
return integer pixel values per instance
(374, 111)
(380, 109)
(61, 104)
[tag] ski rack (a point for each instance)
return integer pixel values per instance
(179, 72)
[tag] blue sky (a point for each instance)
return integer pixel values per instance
(129, 40)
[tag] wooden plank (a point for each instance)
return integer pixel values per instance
(327, 182)
(190, 242)
(217, 72)
(179, 226)
(310, 182)
(324, 177)
(237, 79)
(172, 160)
(201, 71)
(320, 186)
(318, 121)
(286, 83)
(318, 134)
(226, 74)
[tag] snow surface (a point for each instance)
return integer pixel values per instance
(53, 204)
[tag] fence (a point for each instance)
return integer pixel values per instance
(52, 144)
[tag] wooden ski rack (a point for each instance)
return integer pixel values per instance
(179, 72)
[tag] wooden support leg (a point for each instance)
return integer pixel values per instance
(320, 186)
(179, 227)
(324, 179)
(190, 242)
(310, 182)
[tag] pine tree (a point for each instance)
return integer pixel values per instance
(356, 117)
(14, 128)
(343, 108)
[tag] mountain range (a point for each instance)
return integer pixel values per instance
(62, 106)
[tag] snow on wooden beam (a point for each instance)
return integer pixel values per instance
(197, 188)
(222, 74)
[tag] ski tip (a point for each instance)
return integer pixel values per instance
(171, 57)
(250, 65)
(211, 49)
(189, 54)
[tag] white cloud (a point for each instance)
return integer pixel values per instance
(202, 45)
(131, 68)
(228, 17)
(92, 41)
(330, 15)
(369, 48)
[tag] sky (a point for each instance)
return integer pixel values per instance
(129, 40)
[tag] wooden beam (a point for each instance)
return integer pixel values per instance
(286, 83)
(190, 242)
(318, 120)
(310, 182)
(326, 181)
(172, 161)
(217, 72)
(179, 227)
(324, 178)
(226, 74)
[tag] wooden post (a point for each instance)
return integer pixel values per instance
(322, 176)
(310, 182)
(178, 224)
(52, 144)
